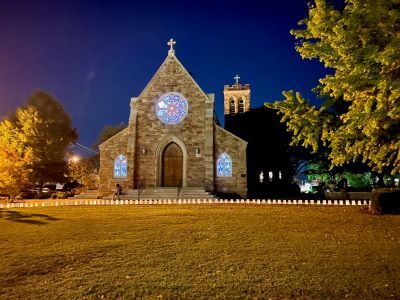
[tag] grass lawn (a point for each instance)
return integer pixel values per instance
(193, 251)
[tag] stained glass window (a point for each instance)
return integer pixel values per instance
(120, 167)
(171, 108)
(224, 165)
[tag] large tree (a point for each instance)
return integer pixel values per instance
(49, 138)
(360, 115)
(34, 143)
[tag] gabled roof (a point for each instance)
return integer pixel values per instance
(171, 56)
(114, 136)
(231, 134)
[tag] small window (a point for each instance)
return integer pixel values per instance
(224, 165)
(241, 106)
(120, 167)
(232, 109)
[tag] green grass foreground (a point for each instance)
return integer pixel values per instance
(204, 251)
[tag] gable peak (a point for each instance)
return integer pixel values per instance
(171, 43)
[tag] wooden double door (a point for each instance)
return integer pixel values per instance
(172, 165)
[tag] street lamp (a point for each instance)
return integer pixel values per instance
(75, 158)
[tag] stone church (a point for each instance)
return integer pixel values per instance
(173, 140)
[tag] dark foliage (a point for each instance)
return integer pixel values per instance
(385, 201)
(51, 141)
(71, 185)
(227, 195)
(108, 132)
(268, 150)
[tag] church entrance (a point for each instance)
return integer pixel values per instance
(172, 165)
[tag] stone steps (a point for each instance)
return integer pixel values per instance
(89, 194)
(166, 193)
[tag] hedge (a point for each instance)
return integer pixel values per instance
(385, 201)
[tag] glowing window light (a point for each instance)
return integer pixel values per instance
(171, 108)
(120, 167)
(224, 165)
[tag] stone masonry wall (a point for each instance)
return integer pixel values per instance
(236, 149)
(195, 131)
(146, 136)
(109, 151)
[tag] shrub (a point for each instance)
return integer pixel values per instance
(385, 201)
(63, 195)
(26, 194)
(44, 196)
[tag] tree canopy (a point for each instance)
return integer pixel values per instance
(15, 159)
(109, 131)
(360, 115)
(49, 137)
(34, 142)
(85, 171)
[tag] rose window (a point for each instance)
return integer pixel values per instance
(171, 108)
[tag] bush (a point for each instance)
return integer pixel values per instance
(44, 196)
(26, 194)
(63, 195)
(385, 201)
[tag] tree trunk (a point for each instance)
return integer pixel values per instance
(40, 189)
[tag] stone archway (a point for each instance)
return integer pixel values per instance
(172, 165)
(180, 151)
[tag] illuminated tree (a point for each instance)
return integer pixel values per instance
(15, 159)
(33, 144)
(85, 171)
(360, 118)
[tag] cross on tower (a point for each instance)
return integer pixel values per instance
(237, 79)
(171, 44)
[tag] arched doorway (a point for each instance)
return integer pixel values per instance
(172, 165)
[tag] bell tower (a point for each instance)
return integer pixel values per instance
(236, 98)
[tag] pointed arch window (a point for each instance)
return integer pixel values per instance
(241, 106)
(232, 108)
(120, 167)
(224, 165)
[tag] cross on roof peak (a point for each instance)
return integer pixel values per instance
(237, 79)
(171, 44)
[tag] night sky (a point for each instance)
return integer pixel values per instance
(93, 56)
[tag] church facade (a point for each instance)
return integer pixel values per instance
(173, 140)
